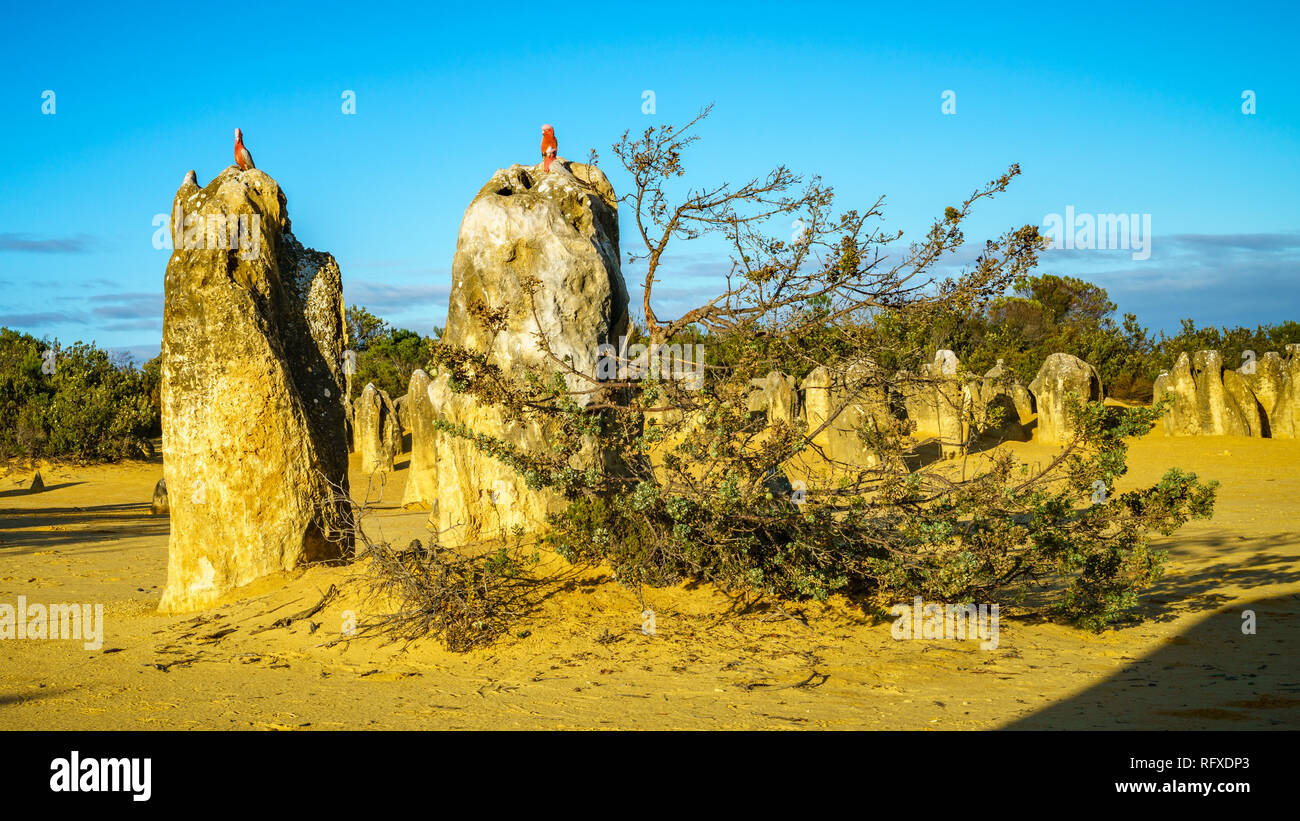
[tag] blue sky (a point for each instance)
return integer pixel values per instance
(1108, 109)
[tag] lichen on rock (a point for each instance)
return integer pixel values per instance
(536, 283)
(253, 420)
(1062, 376)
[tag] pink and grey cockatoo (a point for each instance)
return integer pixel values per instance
(242, 158)
(550, 148)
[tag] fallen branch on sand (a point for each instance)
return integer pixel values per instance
(304, 614)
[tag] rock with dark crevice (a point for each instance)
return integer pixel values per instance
(255, 455)
(1061, 379)
(536, 284)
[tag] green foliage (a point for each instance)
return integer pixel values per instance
(998, 536)
(386, 356)
(363, 327)
(671, 483)
(1231, 342)
(88, 408)
(717, 506)
(1049, 314)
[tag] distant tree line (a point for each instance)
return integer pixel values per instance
(75, 402)
(1049, 314)
(1040, 316)
(385, 355)
(668, 481)
(92, 406)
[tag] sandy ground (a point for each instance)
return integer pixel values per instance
(581, 660)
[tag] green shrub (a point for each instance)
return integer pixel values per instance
(88, 408)
(687, 489)
(385, 355)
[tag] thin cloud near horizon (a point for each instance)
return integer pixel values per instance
(1210, 278)
(26, 243)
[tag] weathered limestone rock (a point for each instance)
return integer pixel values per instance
(866, 409)
(422, 475)
(918, 403)
(390, 432)
(1164, 385)
(776, 396)
(1211, 400)
(252, 386)
(945, 363)
(537, 252)
(1218, 411)
(937, 402)
(818, 406)
(543, 248)
(379, 438)
(1060, 375)
(999, 394)
(1024, 402)
(1183, 418)
(950, 403)
(1238, 392)
(1284, 421)
(159, 505)
(350, 423)
(1265, 382)
(782, 398)
(399, 413)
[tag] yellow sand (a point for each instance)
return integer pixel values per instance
(585, 662)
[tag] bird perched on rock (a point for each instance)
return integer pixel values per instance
(550, 148)
(242, 158)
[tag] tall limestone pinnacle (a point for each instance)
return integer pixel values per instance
(560, 227)
(252, 390)
(540, 250)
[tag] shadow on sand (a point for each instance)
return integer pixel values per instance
(1210, 677)
(25, 492)
(28, 530)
